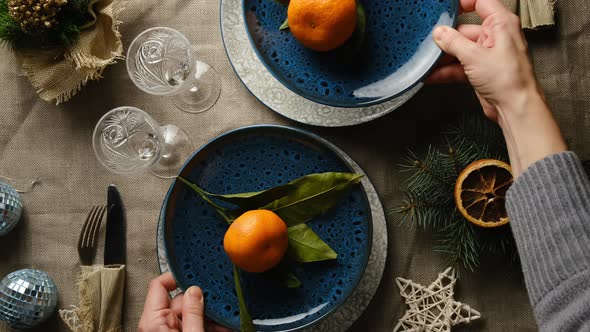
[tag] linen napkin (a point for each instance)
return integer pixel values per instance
(101, 291)
(533, 14)
(58, 74)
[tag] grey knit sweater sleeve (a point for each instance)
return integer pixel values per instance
(549, 210)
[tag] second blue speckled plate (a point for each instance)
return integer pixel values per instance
(398, 52)
(252, 159)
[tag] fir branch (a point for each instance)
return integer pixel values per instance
(418, 211)
(454, 158)
(66, 33)
(429, 203)
(427, 177)
(458, 154)
(9, 29)
(480, 134)
(498, 242)
(424, 169)
(460, 242)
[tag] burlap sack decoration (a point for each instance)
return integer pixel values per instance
(58, 74)
(537, 13)
(533, 14)
(101, 291)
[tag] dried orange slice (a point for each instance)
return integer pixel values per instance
(480, 192)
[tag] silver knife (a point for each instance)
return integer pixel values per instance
(115, 242)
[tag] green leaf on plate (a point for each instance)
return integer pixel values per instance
(306, 246)
(221, 211)
(360, 31)
(254, 200)
(285, 25)
(354, 45)
(282, 271)
(246, 324)
(291, 281)
(296, 202)
(313, 196)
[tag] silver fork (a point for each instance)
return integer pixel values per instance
(88, 241)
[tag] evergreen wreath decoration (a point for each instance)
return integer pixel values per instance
(429, 202)
(42, 23)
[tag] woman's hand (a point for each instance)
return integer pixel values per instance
(183, 313)
(493, 57)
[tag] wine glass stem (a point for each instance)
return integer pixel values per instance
(194, 86)
(176, 146)
(203, 92)
(200, 69)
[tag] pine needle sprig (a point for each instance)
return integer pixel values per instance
(460, 242)
(429, 192)
(70, 20)
(455, 158)
(479, 134)
(416, 210)
(9, 29)
(424, 169)
(426, 178)
(498, 242)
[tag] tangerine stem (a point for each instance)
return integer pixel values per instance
(221, 211)
(246, 324)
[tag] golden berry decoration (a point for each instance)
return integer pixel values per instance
(35, 16)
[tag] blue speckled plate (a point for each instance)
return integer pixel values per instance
(398, 53)
(250, 159)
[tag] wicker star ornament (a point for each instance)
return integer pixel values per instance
(433, 308)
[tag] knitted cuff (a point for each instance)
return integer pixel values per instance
(549, 209)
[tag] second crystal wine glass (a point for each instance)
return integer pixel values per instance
(161, 61)
(128, 141)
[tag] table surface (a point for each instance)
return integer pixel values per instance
(54, 142)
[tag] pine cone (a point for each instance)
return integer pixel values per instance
(35, 15)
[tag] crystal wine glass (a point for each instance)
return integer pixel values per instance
(161, 61)
(128, 141)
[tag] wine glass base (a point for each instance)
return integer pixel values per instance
(204, 94)
(177, 148)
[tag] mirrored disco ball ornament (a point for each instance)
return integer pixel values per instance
(10, 208)
(27, 298)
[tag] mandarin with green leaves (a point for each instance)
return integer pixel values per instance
(322, 25)
(256, 241)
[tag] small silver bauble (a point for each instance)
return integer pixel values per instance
(27, 298)
(10, 208)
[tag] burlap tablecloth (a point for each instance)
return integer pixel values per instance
(54, 142)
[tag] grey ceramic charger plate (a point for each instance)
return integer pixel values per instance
(266, 88)
(356, 304)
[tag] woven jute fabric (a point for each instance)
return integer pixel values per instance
(100, 306)
(57, 74)
(54, 142)
(534, 14)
